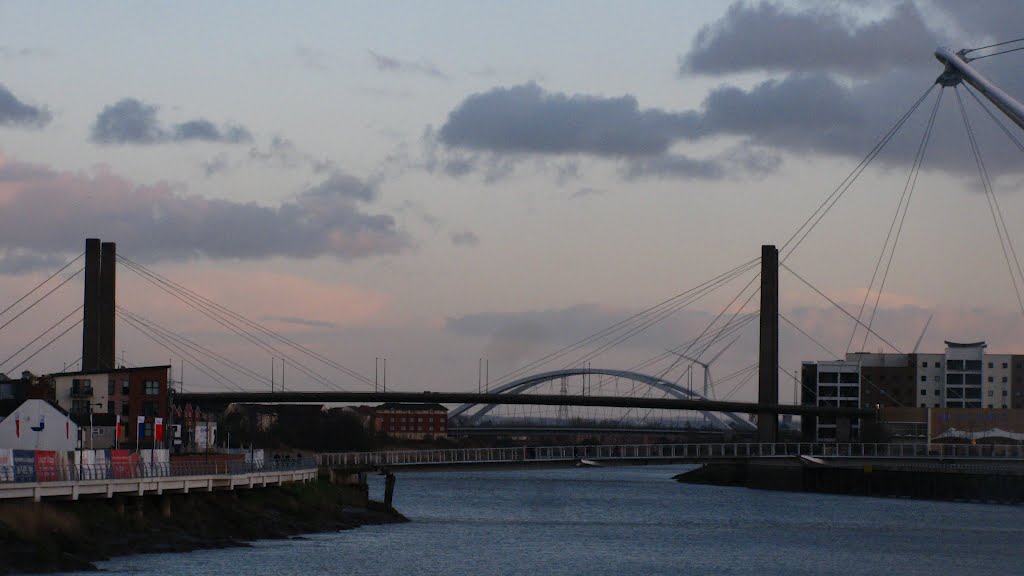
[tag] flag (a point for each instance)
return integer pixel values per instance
(67, 428)
(158, 430)
(142, 429)
(17, 424)
(117, 427)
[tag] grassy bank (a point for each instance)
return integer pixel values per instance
(64, 535)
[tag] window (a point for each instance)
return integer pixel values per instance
(828, 377)
(989, 405)
(973, 379)
(1004, 405)
(990, 393)
(1004, 379)
(973, 393)
(848, 378)
(148, 430)
(936, 378)
(990, 365)
(954, 364)
(924, 378)
(923, 393)
(151, 388)
(125, 387)
(954, 378)
(922, 405)
(924, 364)
(937, 365)
(124, 408)
(989, 378)
(1004, 393)
(149, 408)
(1005, 365)
(110, 387)
(110, 406)
(972, 365)
(938, 392)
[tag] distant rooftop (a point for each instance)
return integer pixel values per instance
(966, 344)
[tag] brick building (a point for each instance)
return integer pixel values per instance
(125, 392)
(411, 421)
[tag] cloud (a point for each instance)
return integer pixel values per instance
(389, 64)
(16, 114)
(833, 84)
(46, 211)
(527, 119)
(466, 238)
(768, 37)
(130, 121)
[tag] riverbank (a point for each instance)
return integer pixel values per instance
(64, 536)
(934, 482)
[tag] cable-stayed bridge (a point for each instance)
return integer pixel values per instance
(635, 395)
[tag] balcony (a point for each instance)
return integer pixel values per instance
(81, 391)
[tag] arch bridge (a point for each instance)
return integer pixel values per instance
(526, 383)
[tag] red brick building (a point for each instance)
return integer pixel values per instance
(411, 421)
(125, 392)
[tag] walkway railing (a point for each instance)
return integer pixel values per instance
(120, 471)
(690, 452)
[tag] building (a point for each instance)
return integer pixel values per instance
(125, 392)
(411, 421)
(964, 376)
(38, 425)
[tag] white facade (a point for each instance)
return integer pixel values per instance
(838, 385)
(965, 377)
(37, 425)
(82, 393)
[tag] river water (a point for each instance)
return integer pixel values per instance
(625, 521)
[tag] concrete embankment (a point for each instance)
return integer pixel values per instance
(937, 482)
(66, 535)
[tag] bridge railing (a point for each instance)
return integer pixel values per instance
(667, 452)
(116, 471)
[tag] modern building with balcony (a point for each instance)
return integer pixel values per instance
(963, 376)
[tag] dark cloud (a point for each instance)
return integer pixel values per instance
(19, 261)
(205, 131)
(130, 121)
(389, 64)
(835, 86)
(527, 119)
(768, 37)
(45, 212)
(16, 114)
(466, 238)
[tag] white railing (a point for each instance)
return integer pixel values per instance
(691, 452)
(138, 470)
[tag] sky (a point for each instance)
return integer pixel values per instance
(437, 183)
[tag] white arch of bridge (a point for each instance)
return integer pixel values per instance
(671, 388)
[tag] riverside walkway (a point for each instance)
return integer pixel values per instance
(682, 453)
(74, 482)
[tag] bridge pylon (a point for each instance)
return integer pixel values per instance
(768, 357)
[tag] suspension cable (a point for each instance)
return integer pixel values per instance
(38, 286)
(41, 298)
(992, 45)
(908, 193)
(210, 310)
(224, 311)
(986, 183)
(203, 367)
(45, 346)
(840, 308)
(37, 338)
(826, 205)
(994, 54)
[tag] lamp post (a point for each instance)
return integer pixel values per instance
(91, 433)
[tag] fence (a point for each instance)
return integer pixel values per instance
(691, 452)
(128, 470)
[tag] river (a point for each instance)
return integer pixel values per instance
(625, 521)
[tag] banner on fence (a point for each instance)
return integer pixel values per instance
(24, 465)
(46, 465)
(122, 463)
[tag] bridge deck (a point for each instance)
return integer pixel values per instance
(674, 453)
